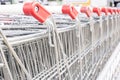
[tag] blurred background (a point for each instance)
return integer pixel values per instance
(100, 3)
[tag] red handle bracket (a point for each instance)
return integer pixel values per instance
(97, 11)
(110, 10)
(118, 11)
(70, 10)
(104, 10)
(86, 10)
(36, 10)
(114, 10)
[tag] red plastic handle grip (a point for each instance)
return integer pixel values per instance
(36, 10)
(86, 10)
(70, 10)
(97, 11)
(118, 11)
(104, 10)
(110, 10)
(114, 11)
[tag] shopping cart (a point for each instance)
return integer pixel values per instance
(74, 60)
(61, 45)
(118, 22)
(15, 36)
(117, 25)
(32, 47)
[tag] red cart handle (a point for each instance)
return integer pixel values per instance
(104, 10)
(114, 11)
(86, 10)
(97, 11)
(118, 11)
(110, 10)
(67, 9)
(36, 10)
